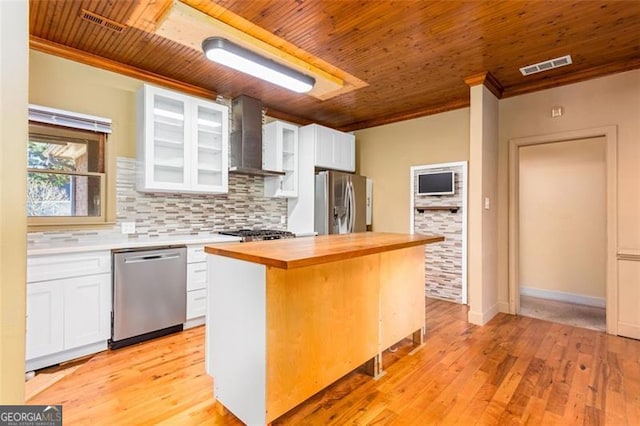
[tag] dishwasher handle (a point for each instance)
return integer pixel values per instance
(164, 256)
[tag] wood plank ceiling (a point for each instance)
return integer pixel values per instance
(414, 55)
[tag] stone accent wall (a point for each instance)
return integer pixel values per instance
(159, 215)
(443, 266)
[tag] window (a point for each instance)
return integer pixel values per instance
(66, 168)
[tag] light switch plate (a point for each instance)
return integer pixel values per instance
(128, 227)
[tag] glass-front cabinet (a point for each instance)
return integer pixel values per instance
(182, 143)
(208, 149)
(280, 153)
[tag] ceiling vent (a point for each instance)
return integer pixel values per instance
(102, 21)
(546, 65)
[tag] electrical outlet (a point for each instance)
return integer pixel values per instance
(283, 220)
(128, 227)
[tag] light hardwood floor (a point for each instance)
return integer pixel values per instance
(514, 370)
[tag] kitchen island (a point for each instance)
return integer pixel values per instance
(286, 318)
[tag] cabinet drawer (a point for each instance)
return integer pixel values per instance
(196, 303)
(50, 267)
(196, 254)
(196, 276)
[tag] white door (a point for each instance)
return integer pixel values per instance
(45, 312)
(346, 152)
(324, 147)
(289, 146)
(167, 137)
(87, 310)
(209, 147)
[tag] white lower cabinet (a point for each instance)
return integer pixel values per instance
(196, 303)
(45, 324)
(87, 310)
(197, 279)
(68, 314)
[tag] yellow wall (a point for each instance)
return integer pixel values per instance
(562, 199)
(386, 153)
(14, 32)
(64, 84)
(606, 101)
(612, 100)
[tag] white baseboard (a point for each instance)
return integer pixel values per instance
(194, 322)
(481, 318)
(628, 330)
(562, 296)
(67, 355)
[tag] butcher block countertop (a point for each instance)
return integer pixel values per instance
(301, 252)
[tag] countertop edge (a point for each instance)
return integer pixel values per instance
(319, 259)
(50, 249)
(301, 263)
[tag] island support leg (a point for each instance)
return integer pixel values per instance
(418, 340)
(373, 367)
(418, 337)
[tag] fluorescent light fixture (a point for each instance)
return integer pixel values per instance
(222, 51)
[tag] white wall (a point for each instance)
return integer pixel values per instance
(562, 206)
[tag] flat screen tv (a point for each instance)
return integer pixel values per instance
(436, 183)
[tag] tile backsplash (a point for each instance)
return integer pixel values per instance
(161, 215)
(444, 260)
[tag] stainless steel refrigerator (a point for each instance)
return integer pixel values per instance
(340, 203)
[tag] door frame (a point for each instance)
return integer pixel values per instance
(610, 134)
(464, 185)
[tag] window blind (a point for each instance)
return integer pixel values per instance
(74, 120)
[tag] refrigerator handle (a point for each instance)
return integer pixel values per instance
(352, 207)
(347, 201)
(347, 206)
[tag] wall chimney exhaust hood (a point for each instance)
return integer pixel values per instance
(245, 142)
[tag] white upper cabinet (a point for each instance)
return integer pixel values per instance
(182, 143)
(334, 150)
(280, 153)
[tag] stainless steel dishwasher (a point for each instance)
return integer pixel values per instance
(149, 294)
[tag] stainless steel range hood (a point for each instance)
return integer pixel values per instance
(245, 144)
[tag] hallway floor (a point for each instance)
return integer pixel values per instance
(584, 316)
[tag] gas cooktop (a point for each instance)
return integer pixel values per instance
(258, 234)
